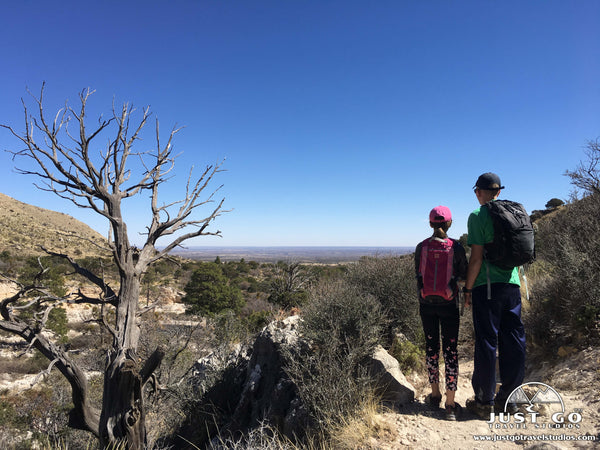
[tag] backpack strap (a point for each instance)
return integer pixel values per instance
(489, 282)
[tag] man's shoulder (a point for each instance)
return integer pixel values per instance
(479, 215)
(480, 211)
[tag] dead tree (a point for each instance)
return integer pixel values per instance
(71, 163)
(586, 176)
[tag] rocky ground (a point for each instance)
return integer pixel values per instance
(576, 379)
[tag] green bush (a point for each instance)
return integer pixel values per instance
(58, 322)
(410, 356)
(257, 320)
(52, 278)
(209, 291)
(343, 326)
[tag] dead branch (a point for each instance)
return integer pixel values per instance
(43, 373)
(109, 295)
(82, 238)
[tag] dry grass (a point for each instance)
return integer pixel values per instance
(362, 430)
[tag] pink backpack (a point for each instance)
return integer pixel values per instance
(436, 267)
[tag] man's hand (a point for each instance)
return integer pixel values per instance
(467, 299)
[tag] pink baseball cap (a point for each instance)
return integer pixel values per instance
(440, 214)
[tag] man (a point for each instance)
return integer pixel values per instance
(495, 296)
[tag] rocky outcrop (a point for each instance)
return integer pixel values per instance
(268, 394)
(254, 390)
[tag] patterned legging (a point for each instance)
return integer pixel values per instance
(446, 316)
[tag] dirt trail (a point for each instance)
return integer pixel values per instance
(576, 379)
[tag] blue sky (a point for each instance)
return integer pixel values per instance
(342, 122)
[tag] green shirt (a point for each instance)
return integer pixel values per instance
(480, 232)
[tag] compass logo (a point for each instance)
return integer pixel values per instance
(535, 400)
(531, 394)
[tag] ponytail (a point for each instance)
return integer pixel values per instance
(440, 229)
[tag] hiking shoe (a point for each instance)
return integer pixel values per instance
(433, 401)
(511, 408)
(480, 410)
(453, 411)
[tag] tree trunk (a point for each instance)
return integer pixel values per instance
(123, 418)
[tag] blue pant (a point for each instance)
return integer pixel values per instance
(498, 326)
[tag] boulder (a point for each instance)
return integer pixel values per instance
(391, 383)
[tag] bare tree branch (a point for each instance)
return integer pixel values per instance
(83, 416)
(44, 372)
(586, 175)
(109, 296)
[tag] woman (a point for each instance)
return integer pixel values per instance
(440, 262)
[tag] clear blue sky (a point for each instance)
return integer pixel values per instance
(342, 122)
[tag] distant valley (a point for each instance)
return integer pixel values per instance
(323, 255)
(27, 228)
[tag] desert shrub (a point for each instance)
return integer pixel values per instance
(42, 411)
(390, 280)
(289, 285)
(8, 413)
(565, 307)
(343, 317)
(264, 437)
(168, 405)
(257, 320)
(410, 356)
(343, 326)
(24, 363)
(9, 264)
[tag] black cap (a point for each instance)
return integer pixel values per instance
(489, 181)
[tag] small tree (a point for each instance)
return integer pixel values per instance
(554, 203)
(98, 169)
(586, 175)
(209, 291)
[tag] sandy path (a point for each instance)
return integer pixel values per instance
(418, 426)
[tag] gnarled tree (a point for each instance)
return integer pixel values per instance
(74, 165)
(586, 176)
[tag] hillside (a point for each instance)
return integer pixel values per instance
(25, 228)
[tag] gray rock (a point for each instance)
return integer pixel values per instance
(257, 392)
(268, 394)
(391, 383)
